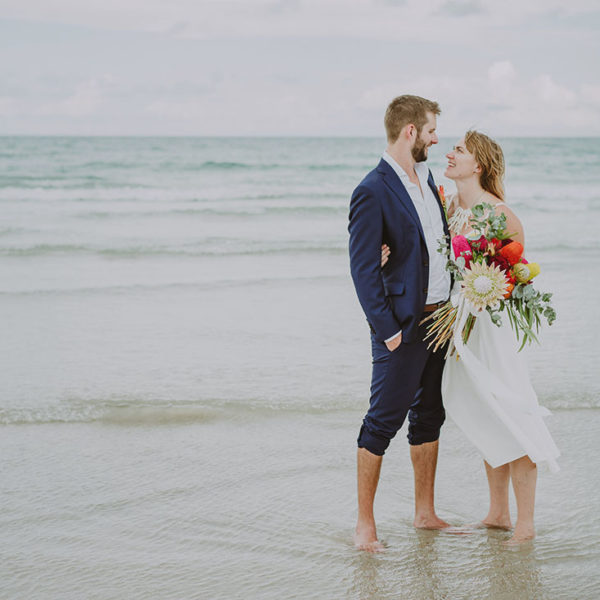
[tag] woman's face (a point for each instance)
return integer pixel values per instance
(461, 163)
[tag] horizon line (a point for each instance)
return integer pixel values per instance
(261, 136)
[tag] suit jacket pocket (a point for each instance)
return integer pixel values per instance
(394, 288)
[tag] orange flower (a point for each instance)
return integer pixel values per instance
(442, 195)
(509, 288)
(512, 252)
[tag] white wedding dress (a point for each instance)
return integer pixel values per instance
(488, 394)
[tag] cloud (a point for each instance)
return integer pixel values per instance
(591, 94)
(377, 97)
(85, 101)
(8, 106)
(395, 3)
(182, 110)
(501, 79)
(552, 94)
(501, 100)
(461, 8)
(271, 67)
(219, 19)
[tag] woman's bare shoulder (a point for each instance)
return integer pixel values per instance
(502, 207)
(513, 223)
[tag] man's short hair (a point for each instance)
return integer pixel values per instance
(405, 110)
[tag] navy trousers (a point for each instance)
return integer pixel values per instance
(405, 381)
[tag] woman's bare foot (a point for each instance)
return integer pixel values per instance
(504, 524)
(520, 536)
(365, 538)
(430, 522)
(473, 527)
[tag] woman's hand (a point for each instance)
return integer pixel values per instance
(385, 254)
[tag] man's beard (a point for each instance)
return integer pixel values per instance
(419, 151)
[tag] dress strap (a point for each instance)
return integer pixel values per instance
(452, 199)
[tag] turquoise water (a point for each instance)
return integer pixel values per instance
(185, 367)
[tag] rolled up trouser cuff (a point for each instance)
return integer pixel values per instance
(423, 438)
(427, 429)
(374, 443)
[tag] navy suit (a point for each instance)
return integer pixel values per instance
(393, 299)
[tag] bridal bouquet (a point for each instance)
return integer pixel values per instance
(494, 276)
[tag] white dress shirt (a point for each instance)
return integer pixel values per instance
(428, 210)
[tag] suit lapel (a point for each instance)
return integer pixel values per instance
(392, 181)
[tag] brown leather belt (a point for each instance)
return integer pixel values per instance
(432, 307)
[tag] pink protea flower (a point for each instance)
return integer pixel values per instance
(461, 247)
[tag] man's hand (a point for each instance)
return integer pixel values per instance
(393, 344)
(385, 254)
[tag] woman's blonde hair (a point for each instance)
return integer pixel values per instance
(490, 158)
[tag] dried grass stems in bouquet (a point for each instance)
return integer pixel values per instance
(494, 276)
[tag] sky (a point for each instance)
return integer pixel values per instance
(296, 67)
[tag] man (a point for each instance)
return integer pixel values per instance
(397, 204)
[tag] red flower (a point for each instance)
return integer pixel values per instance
(480, 244)
(500, 261)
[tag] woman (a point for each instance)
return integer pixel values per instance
(487, 391)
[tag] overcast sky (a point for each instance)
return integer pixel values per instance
(296, 67)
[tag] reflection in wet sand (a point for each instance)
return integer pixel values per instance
(430, 565)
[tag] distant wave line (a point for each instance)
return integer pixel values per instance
(145, 193)
(231, 165)
(257, 211)
(219, 250)
(139, 412)
(193, 285)
(228, 247)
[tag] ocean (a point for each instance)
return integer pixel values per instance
(185, 367)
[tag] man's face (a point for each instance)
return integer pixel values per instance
(425, 139)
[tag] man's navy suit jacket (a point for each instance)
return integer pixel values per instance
(382, 212)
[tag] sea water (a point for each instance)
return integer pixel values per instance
(185, 367)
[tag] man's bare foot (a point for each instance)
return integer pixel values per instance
(430, 522)
(365, 538)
